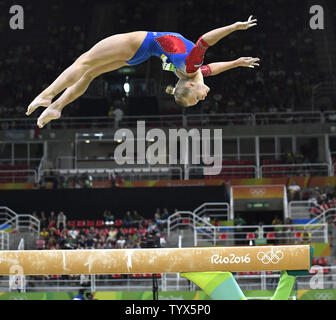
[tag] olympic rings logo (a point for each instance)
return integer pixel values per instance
(270, 257)
(257, 192)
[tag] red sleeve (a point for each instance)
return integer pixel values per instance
(206, 70)
(196, 56)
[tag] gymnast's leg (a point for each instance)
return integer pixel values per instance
(120, 47)
(72, 93)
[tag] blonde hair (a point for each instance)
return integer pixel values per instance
(180, 91)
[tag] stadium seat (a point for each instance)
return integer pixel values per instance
(118, 223)
(116, 275)
(298, 234)
(250, 236)
(100, 223)
(71, 223)
(223, 236)
(325, 271)
(322, 261)
(314, 262)
(131, 231)
(81, 223)
(186, 221)
(90, 223)
(270, 235)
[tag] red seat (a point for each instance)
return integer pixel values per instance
(90, 223)
(223, 236)
(71, 223)
(81, 223)
(116, 275)
(250, 236)
(314, 262)
(298, 234)
(131, 231)
(186, 221)
(136, 275)
(51, 224)
(118, 223)
(147, 275)
(125, 231)
(322, 261)
(100, 223)
(270, 235)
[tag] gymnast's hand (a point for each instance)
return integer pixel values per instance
(247, 24)
(248, 62)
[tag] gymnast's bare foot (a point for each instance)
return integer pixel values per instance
(51, 113)
(39, 101)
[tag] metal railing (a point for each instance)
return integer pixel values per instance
(177, 120)
(302, 209)
(247, 235)
(17, 176)
(198, 172)
(4, 240)
(18, 222)
(213, 210)
(313, 169)
(131, 173)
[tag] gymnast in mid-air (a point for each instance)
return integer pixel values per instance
(178, 54)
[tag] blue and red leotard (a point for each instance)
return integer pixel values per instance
(186, 56)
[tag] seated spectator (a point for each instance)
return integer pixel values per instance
(137, 218)
(294, 191)
(43, 220)
(40, 243)
(92, 233)
(130, 243)
(163, 220)
(81, 242)
(73, 233)
(305, 237)
(153, 227)
(121, 242)
(51, 243)
(128, 220)
(112, 235)
(51, 220)
(44, 233)
(108, 217)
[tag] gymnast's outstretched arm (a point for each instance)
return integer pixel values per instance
(219, 67)
(213, 36)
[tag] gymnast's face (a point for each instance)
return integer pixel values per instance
(198, 91)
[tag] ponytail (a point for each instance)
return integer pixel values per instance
(170, 90)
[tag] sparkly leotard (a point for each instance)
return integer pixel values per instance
(186, 56)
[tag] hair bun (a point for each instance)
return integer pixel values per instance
(170, 90)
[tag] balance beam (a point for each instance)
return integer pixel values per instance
(163, 260)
